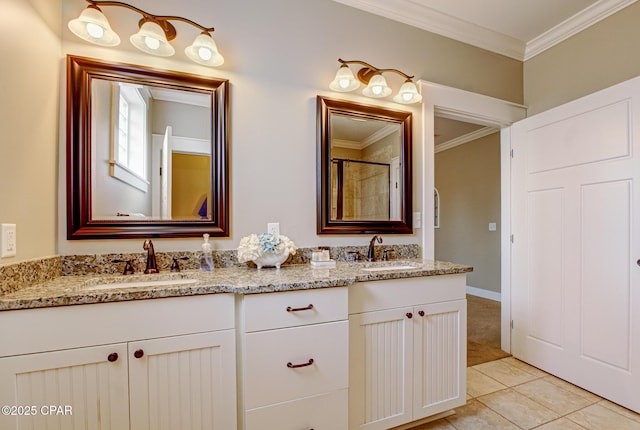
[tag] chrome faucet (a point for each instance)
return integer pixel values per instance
(152, 266)
(371, 255)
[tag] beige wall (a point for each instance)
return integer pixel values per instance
(279, 55)
(468, 180)
(596, 58)
(29, 78)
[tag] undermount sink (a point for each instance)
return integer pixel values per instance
(141, 284)
(391, 265)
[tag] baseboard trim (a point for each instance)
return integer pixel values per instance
(485, 294)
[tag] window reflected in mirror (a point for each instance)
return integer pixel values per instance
(146, 152)
(133, 127)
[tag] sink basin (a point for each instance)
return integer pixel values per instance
(141, 284)
(394, 265)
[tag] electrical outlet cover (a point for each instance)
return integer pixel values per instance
(273, 228)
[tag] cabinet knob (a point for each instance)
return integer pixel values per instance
(290, 365)
(409, 315)
(112, 357)
(306, 308)
(421, 313)
(138, 354)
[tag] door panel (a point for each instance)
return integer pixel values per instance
(89, 386)
(576, 239)
(183, 382)
(380, 369)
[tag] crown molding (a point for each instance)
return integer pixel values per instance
(573, 25)
(465, 138)
(429, 19)
(426, 18)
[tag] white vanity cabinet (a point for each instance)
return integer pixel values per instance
(149, 364)
(294, 354)
(407, 358)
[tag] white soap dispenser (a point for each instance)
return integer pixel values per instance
(206, 259)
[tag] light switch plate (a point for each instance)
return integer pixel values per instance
(8, 240)
(492, 226)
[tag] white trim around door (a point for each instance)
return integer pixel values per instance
(475, 108)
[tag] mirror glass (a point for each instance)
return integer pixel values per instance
(147, 152)
(365, 168)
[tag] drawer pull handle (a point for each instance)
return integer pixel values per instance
(112, 357)
(421, 313)
(306, 308)
(295, 366)
(409, 315)
(138, 354)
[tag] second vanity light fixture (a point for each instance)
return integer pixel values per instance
(377, 87)
(155, 32)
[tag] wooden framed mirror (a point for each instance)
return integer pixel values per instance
(363, 168)
(147, 152)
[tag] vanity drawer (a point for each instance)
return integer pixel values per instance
(321, 351)
(294, 308)
(323, 412)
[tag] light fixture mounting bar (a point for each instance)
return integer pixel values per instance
(162, 20)
(365, 74)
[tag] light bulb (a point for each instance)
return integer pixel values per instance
(151, 43)
(377, 87)
(95, 30)
(344, 80)
(407, 97)
(204, 53)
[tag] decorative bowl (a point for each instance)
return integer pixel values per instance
(271, 259)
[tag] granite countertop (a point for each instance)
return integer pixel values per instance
(75, 290)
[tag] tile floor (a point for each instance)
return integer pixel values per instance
(509, 394)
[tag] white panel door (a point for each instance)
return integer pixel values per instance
(90, 384)
(183, 382)
(576, 242)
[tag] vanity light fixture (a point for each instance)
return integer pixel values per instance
(377, 87)
(155, 33)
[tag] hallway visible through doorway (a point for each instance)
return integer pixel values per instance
(483, 331)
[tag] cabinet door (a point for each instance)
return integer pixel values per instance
(440, 350)
(380, 368)
(87, 388)
(183, 382)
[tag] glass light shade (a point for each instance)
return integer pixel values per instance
(408, 94)
(152, 40)
(377, 87)
(344, 80)
(93, 27)
(204, 51)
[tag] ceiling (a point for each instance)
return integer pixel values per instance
(519, 29)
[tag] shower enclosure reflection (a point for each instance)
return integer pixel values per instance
(365, 169)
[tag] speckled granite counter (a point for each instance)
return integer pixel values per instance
(75, 290)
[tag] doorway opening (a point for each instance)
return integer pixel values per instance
(467, 177)
(452, 103)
